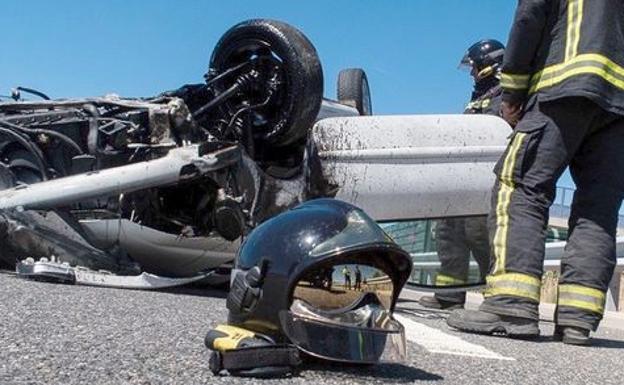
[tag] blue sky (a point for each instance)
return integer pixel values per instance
(410, 49)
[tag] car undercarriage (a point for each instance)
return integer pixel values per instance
(207, 161)
(160, 191)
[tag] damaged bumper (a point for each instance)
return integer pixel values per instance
(45, 270)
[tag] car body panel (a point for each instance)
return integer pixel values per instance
(393, 167)
(414, 166)
(159, 252)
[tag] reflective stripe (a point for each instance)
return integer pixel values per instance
(472, 106)
(514, 284)
(447, 280)
(577, 28)
(581, 297)
(514, 82)
(478, 104)
(575, 17)
(506, 188)
(582, 64)
(575, 64)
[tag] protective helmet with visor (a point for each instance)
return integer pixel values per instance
(324, 277)
(484, 58)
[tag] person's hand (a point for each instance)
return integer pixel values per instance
(511, 112)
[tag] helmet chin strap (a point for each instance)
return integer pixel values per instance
(490, 70)
(484, 80)
(484, 73)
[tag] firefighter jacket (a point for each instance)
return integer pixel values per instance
(487, 103)
(561, 48)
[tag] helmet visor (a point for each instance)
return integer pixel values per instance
(342, 287)
(342, 312)
(366, 335)
(466, 63)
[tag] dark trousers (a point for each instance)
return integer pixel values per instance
(456, 240)
(552, 135)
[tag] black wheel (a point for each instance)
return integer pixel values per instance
(353, 90)
(283, 79)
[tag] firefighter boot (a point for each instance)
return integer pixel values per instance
(432, 302)
(478, 321)
(572, 335)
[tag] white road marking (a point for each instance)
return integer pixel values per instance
(436, 341)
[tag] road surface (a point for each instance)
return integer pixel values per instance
(58, 334)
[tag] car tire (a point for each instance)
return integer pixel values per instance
(353, 90)
(298, 104)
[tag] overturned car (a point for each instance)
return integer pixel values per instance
(168, 186)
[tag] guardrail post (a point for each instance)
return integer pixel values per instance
(549, 286)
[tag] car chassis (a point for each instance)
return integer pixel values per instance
(159, 191)
(195, 168)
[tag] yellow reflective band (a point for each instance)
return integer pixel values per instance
(575, 17)
(478, 104)
(514, 82)
(514, 284)
(515, 277)
(577, 27)
(506, 188)
(490, 292)
(447, 280)
(586, 57)
(582, 297)
(581, 305)
(502, 223)
(592, 63)
(472, 105)
(582, 290)
(605, 72)
(569, 29)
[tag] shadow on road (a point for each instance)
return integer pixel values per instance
(197, 290)
(424, 313)
(200, 290)
(394, 372)
(607, 344)
(596, 342)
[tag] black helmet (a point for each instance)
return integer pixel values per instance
(484, 56)
(325, 277)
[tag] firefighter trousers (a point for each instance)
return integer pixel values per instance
(457, 240)
(552, 135)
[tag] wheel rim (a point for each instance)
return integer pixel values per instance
(269, 66)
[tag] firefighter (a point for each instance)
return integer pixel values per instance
(563, 90)
(458, 238)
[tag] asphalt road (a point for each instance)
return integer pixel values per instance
(56, 334)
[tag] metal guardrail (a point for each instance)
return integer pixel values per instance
(562, 204)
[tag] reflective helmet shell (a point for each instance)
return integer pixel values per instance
(483, 53)
(286, 246)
